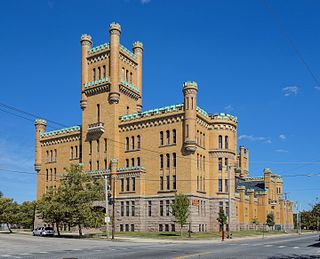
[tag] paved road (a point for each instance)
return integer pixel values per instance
(24, 246)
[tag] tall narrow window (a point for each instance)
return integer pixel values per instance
(128, 110)
(127, 211)
(226, 163)
(167, 207)
(132, 162)
(204, 163)
(174, 182)
(122, 73)
(127, 143)
(50, 174)
(122, 184)
(220, 141)
(174, 136)
(98, 112)
(98, 146)
(226, 142)
(138, 141)
(204, 140)
(168, 160)
(55, 174)
(197, 182)
(132, 143)
(105, 164)
(90, 165)
(161, 208)
(161, 183)
(104, 71)
(127, 162)
(105, 145)
(99, 73)
(149, 208)
(168, 182)
(47, 156)
(187, 103)
(174, 160)
(226, 185)
(47, 175)
(76, 151)
(167, 137)
(138, 161)
(94, 74)
(161, 138)
(98, 167)
(128, 184)
(187, 129)
(220, 163)
(198, 161)
(220, 185)
(127, 75)
(51, 159)
(71, 153)
(133, 184)
(191, 103)
(90, 147)
(133, 209)
(161, 161)
(131, 77)
(55, 155)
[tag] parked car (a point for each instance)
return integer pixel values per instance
(43, 231)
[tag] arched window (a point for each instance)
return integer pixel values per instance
(98, 112)
(47, 156)
(127, 162)
(174, 160)
(55, 155)
(132, 161)
(127, 75)
(130, 77)
(197, 161)
(51, 156)
(220, 141)
(127, 143)
(161, 138)
(187, 103)
(226, 142)
(161, 161)
(99, 73)
(138, 141)
(94, 74)
(197, 139)
(191, 103)
(104, 71)
(204, 163)
(168, 160)
(71, 153)
(174, 136)
(122, 73)
(132, 143)
(138, 161)
(167, 137)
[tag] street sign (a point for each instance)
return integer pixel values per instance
(107, 220)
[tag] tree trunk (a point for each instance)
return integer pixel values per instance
(80, 230)
(58, 230)
(181, 230)
(8, 226)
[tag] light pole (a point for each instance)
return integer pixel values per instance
(107, 218)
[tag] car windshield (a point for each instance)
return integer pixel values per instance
(48, 228)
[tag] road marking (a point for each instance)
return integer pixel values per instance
(281, 246)
(296, 247)
(42, 252)
(255, 244)
(268, 245)
(76, 249)
(244, 244)
(191, 255)
(98, 250)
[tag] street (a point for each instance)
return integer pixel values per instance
(25, 246)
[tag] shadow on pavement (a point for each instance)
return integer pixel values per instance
(315, 245)
(295, 257)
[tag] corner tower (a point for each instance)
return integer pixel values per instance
(40, 128)
(137, 50)
(190, 90)
(86, 43)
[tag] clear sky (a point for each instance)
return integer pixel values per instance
(237, 51)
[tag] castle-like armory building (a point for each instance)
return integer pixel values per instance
(157, 153)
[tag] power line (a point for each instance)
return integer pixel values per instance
(282, 29)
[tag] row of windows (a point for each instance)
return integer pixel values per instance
(220, 163)
(125, 227)
(201, 183)
(220, 142)
(167, 136)
(133, 162)
(174, 160)
(130, 145)
(165, 228)
(99, 72)
(75, 152)
(98, 146)
(201, 162)
(125, 208)
(167, 178)
(201, 139)
(164, 208)
(51, 174)
(51, 156)
(98, 165)
(189, 103)
(126, 75)
(202, 208)
(202, 227)
(226, 185)
(125, 182)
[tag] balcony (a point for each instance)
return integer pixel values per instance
(95, 128)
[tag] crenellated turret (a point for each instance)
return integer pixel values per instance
(115, 31)
(86, 43)
(137, 50)
(190, 90)
(40, 128)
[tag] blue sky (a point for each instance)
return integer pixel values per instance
(235, 50)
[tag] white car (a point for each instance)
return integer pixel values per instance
(43, 231)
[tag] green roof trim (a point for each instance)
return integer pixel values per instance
(96, 82)
(131, 86)
(99, 48)
(60, 131)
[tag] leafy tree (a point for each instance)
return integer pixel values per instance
(222, 219)
(180, 210)
(270, 219)
(1, 194)
(26, 214)
(255, 221)
(78, 191)
(8, 212)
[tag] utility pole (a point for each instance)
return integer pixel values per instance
(107, 219)
(113, 178)
(298, 218)
(286, 211)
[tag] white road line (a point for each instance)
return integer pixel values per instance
(255, 244)
(268, 245)
(281, 246)
(296, 247)
(244, 244)
(98, 250)
(42, 252)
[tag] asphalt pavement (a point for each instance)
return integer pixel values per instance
(25, 246)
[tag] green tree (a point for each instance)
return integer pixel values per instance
(26, 214)
(8, 212)
(52, 209)
(78, 191)
(255, 221)
(222, 219)
(180, 210)
(270, 219)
